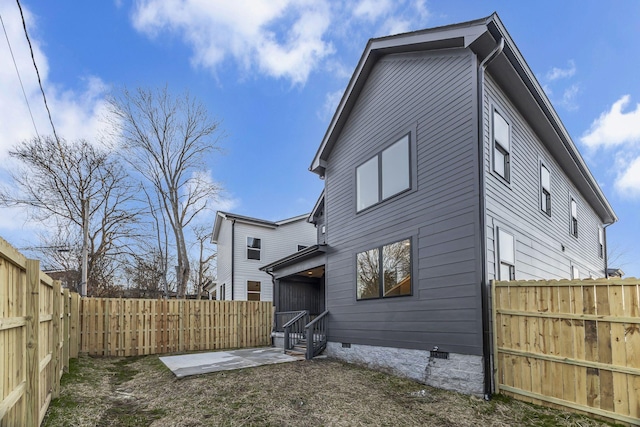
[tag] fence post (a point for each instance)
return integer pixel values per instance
(32, 385)
(55, 349)
(74, 326)
(65, 331)
(494, 320)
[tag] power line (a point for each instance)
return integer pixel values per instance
(19, 78)
(33, 58)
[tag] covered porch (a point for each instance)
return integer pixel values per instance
(299, 301)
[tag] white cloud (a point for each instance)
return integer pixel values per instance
(281, 38)
(371, 10)
(628, 181)
(330, 105)
(617, 129)
(75, 114)
(562, 73)
(569, 97)
(396, 25)
(614, 127)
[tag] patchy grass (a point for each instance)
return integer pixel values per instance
(138, 392)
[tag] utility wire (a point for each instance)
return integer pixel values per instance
(33, 58)
(19, 78)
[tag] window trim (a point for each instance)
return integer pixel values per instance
(601, 242)
(574, 228)
(497, 146)
(259, 293)
(499, 250)
(542, 193)
(380, 249)
(248, 248)
(409, 132)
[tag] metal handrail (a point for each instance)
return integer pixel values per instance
(316, 334)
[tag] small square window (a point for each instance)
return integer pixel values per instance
(254, 246)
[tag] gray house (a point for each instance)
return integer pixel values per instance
(445, 166)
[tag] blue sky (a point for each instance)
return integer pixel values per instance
(273, 71)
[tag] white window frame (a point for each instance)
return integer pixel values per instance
(378, 160)
(251, 248)
(573, 217)
(503, 148)
(545, 190)
(600, 242)
(503, 256)
(259, 292)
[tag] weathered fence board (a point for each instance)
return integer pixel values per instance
(574, 344)
(131, 327)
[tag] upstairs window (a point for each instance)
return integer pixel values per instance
(507, 255)
(574, 218)
(253, 290)
(501, 146)
(254, 246)
(600, 242)
(545, 190)
(383, 176)
(384, 271)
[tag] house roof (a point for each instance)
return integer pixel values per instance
(304, 254)
(509, 69)
(316, 208)
(221, 216)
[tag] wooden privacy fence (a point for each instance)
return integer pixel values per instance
(575, 344)
(38, 321)
(131, 327)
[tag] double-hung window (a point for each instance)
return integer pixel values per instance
(600, 242)
(507, 255)
(501, 146)
(545, 190)
(574, 218)
(384, 271)
(253, 290)
(254, 247)
(385, 175)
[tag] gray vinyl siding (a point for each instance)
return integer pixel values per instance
(433, 94)
(516, 206)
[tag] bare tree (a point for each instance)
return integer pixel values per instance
(167, 140)
(54, 177)
(203, 236)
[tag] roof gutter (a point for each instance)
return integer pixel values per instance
(486, 309)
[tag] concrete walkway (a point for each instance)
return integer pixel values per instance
(202, 363)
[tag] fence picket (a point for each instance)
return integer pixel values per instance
(581, 344)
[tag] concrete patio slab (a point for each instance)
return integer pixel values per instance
(202, 363)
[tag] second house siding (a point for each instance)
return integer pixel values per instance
(433, 94)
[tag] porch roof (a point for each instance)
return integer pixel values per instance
(304, 254)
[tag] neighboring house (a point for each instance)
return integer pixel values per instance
(245, 244)
(445, 166)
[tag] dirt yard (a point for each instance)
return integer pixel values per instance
(143, 392)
